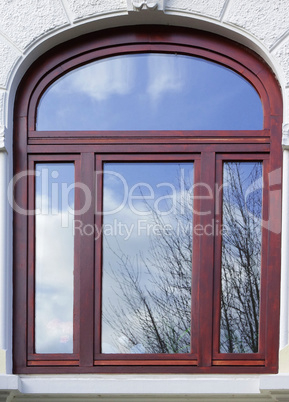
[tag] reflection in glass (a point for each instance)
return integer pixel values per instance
(241, 257)
(150, 92)
(147, 257)
(54, 258)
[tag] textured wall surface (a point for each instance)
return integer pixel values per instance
(24, 21)
(8, 57)
(204, 7)
(84, 8)
(281, 54)
(266, 19)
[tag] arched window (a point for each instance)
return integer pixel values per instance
(147, 207)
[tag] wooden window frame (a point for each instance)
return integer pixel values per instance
(89, 149)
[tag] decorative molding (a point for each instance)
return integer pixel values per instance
(2, 139)
(285, 136)
(148, 5)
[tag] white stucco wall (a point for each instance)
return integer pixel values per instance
(27, 29)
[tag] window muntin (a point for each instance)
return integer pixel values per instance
(208, 147)
(150, 92)
(147, 257)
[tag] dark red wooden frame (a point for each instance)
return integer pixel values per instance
(207, 148)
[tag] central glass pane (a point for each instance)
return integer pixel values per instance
(151, 92)
(147, 257)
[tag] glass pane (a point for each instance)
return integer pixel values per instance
(147, 257)
(54, 258)
(150, 92)
(241, 257)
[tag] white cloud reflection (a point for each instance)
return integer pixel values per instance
(54, 284)
(99, 80)
(166, 73)
(156, 74)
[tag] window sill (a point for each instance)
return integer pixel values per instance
(148, 386)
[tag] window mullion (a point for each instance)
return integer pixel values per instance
(85, 222)
(98, 254)
(273, 225)
(206, 215)
(217, 255)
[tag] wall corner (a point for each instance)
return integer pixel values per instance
(284, 360)
(3, 361)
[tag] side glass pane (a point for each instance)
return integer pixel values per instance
(241, 257)
(147, 257)
(150, 92)
(54, 257)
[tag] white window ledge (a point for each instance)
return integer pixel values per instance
(147, 387)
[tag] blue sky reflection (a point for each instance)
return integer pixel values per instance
(150, 92)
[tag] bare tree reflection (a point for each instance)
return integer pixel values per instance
(154, 315)
(241, 258)
(153, 312)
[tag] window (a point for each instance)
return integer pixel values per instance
(147, 202)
